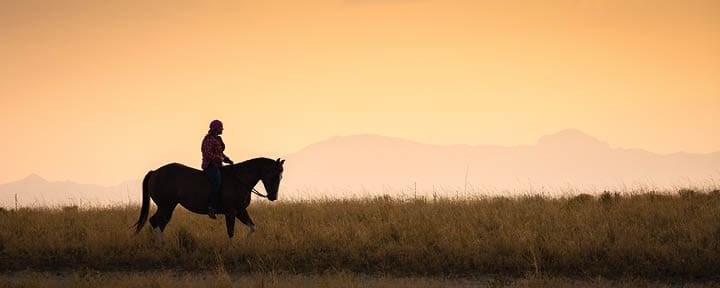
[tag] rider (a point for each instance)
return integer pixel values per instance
(212, 159)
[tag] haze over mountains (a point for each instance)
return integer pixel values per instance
(360, 165)
(568, 161)
(35, 191)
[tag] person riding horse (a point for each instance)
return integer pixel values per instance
(213, 156)
(175, 183)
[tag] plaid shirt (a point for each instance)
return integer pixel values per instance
(212, 151)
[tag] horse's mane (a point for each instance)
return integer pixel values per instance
(249, 164)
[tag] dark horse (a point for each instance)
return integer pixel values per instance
(176, 183)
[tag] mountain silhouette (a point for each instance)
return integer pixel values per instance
(569, 161)
(35, 191)
(571, 138)
(35, 179)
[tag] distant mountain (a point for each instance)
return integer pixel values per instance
(35, 191)
(360, 165)
(567, 162)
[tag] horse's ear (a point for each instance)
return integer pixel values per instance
(282, 161)
(278, 160)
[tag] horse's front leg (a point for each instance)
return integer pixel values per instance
(245, 219)
(230, 223)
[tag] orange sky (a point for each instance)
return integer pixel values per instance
(102, 91)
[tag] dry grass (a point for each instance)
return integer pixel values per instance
(174, 279)
(340, 279)
(617, 236)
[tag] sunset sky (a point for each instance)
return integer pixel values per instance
(103, 91)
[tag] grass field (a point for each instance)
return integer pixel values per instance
(167, 278)
(611, 236)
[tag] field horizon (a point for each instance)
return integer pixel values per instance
(613, 235)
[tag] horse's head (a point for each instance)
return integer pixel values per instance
(271, 180)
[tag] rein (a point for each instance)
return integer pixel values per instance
(258, 193)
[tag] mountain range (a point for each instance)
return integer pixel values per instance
(568, 161)
(361, 165)
(35, 191)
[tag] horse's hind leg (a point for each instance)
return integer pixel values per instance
(160, 219)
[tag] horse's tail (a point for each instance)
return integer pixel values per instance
(145, 204)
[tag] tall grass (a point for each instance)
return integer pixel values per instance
(612, 235)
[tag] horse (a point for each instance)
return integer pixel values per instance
(175, 183)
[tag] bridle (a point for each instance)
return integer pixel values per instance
(254, 191)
